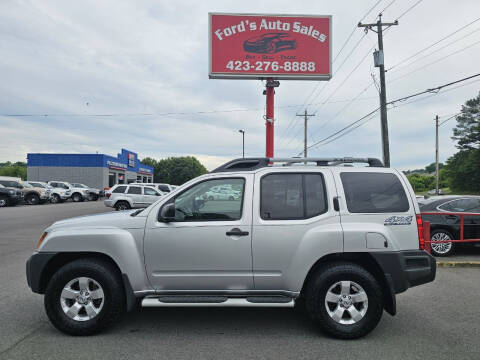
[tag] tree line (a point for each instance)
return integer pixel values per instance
(461, 172)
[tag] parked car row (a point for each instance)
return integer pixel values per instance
(14, 191)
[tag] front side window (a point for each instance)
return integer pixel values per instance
(373, 192)
(292, 196)
(200, 203)
(149, 191)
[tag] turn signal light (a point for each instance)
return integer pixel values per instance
(421, 236)
(41, 240)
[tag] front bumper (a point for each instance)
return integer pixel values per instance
(406, 269)
(35, 268)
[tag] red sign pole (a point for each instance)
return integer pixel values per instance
(269, 131)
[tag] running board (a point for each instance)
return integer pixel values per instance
(217, 301)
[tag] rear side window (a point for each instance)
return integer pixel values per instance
(292, 196)
(135, 190)
(119, 189)
(373, 193)
(164, 188)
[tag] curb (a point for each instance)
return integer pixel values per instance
(449, 264)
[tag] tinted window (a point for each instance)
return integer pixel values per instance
(462, 205)
(119, 189)
(292, 196)
(149, 191)
(134, 190)
(373, 193)
(8, 183)
(200, 203)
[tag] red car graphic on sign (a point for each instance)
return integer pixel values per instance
(270, 43)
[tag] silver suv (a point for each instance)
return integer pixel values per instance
(124, 197)
(341, 241)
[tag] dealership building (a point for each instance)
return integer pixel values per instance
(95, 170)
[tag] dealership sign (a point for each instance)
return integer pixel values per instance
(254, 46)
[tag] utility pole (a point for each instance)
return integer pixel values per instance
(436, 156)
(378, 60)
(305, 115)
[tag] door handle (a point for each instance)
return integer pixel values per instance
(237, 232)
(336, 204)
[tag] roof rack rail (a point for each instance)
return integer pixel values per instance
(248, 164)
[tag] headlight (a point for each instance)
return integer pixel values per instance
(41, 240)
(11, 192)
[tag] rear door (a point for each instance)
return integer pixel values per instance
(294, 224)
(135, 194)
(377, 214)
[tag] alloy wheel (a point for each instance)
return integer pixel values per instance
(346, 302)
(441, 248)
(82, 299)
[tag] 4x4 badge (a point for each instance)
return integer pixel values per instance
(398, 220)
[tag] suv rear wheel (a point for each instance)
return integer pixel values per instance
(122, 205)
(84, 296)
(345, 300)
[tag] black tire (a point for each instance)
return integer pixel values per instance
(104, 274)
(316, 293)
(210, 198)
(77, 197)
(231, 198)
(32, 199)
(122, 205)
(445, 251)
(4, 202)
(55, 199)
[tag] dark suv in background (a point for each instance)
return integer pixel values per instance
(9, 196)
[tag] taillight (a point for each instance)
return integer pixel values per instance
(421, 236)
(107, 195)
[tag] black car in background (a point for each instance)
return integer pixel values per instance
(10, 196)
(270, 43)
(447, 227)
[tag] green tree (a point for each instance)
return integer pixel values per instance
(18, 169)
(431, 168)
(463, 168)
(467, 131)
(175, 170)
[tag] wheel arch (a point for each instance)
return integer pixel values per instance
(366, 261)
(62, 258)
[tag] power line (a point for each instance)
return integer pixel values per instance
(435, 43)
(435, 89)
(409, 9)
(441, 48)
(290, 122)
(433, 62)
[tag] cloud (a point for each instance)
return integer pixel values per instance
(150, 57)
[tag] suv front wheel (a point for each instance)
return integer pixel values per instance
(84, 296)
(345, 300)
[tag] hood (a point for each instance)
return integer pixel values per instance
(119, 219)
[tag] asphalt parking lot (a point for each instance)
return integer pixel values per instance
(435, 321)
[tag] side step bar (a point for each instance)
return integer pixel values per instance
(217, 301)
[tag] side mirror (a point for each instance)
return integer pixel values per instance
(167, 213)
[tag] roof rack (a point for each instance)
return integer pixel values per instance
(249, 164)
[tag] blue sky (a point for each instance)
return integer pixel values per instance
(131, 58)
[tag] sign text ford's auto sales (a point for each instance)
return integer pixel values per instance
(254, 46)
